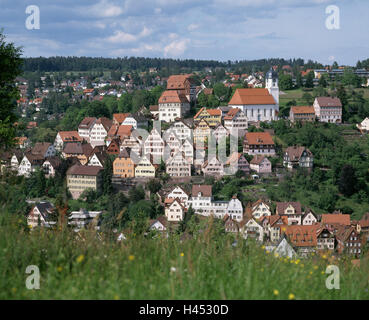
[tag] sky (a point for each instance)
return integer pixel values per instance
(191, 29)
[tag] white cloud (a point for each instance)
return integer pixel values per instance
(157, 10)
(122, 37)
(103, 9)
(192, 27)
(176, 48)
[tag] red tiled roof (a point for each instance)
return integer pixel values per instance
(206, 190)
(172, 96)
(303, 109)
(69, 136)
(343, 219)
(84, 170)
(329, 102)
(249, 96)
(258, 138)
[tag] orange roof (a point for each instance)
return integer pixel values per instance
(250, 96)
(211, 112)
(120, 117)
(172, 96)
(113, 130)
(88, 90)
(68, 136)
(124, 131)
(343, 219)
(303, 109)
(21, 140)
(301, 236)
(176, 82)
(232, 113)
(261, 138)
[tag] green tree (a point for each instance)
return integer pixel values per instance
(10, 68)
(285, 82)
(347, 181)
(309, 83)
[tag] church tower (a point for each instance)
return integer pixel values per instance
(271, 83)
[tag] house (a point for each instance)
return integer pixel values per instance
(182, 129)
(159, 224)
(81, 178)
(272, 227)
(183, 84)
(178, 166)
(230, 225)
(348, 240)
(260, 209)
(154, 110)
(292, 210)
(43, 214)
(64, 137)
(302, 113)
(261, 164)
(114, 147)
(85, 127)
(145, 168)
(201, 199)
(237, 162)
(328, 109)
(99, 131)
(178, 193)
(236, 122)
(97, 159)
(22, 142)
(44, 149)
(82, 218)
(173, 105)
(175, 211)
(133, 142)
(220, 132)
(118, 118)
(295, 156)
(235, 209)
(30, 162)
(81, 151)
(325, 238)
(51, 166)
(173, 144)
(259, 143)
(16, 159)
(136, 120)
(187, 149)
(123, 165)
(364, 125)
(201, 133)
(213, 167)
(252, 229)
(284, 248)
(309, 218)
(257, 104)
(212, 116)
(302, 238)
(154, 146)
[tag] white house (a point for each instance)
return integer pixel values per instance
(364, 125)
(235, 209)
(99, 131)
(178, 193)
(85, 127)
(44, 149)
(82, 218)
(178, 166)
(182, 129)
(175, 211)
(29, 164)
(201, 199)
(154, 146)
(42, 214)
(173, 105)
(253, 230)
(309, 218)
(136, 120)
(260, 209)
(236, 120)
(50, 166)
(328, 109)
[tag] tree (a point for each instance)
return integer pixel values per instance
(323, 81)
(285, 82)
(347, 181)
(10, 66)
(107, 176)
(220, 91)
(308, 98)
(309, 80)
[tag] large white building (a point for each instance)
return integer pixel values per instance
(173, 105)
(259, 104)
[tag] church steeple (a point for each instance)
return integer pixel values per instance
(271, 83)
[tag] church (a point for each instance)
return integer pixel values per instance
(259, 104)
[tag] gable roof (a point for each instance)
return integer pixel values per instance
(232, 113)
(177, 82)
(172, 96)
(87, 123)
(78, 169)
(211, 112)
(301, 236)
(78, 148)
(120, 117)
(329, 102)
(343, 219)
(256, 96)
(257, 159)
(70, 136)
(303, 109)
(206, 190)
(282, 206)
(259, 138)
(41, 148)
(295, 152)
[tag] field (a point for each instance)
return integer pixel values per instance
(206, 267)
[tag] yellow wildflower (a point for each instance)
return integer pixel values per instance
(262, 247)
(315, 267)
(116, 297)
(291, 296)
(80, 258)
(182, 254)
(324, 256)
(276, 255)
(267, 252)
(311, 272)
(275, 292)
(60, 269)
(131, 257)
(14, 290)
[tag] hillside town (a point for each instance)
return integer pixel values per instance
(184, 147)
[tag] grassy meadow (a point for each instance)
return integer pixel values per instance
(206, 267)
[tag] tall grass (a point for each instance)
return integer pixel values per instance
(206, 267)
